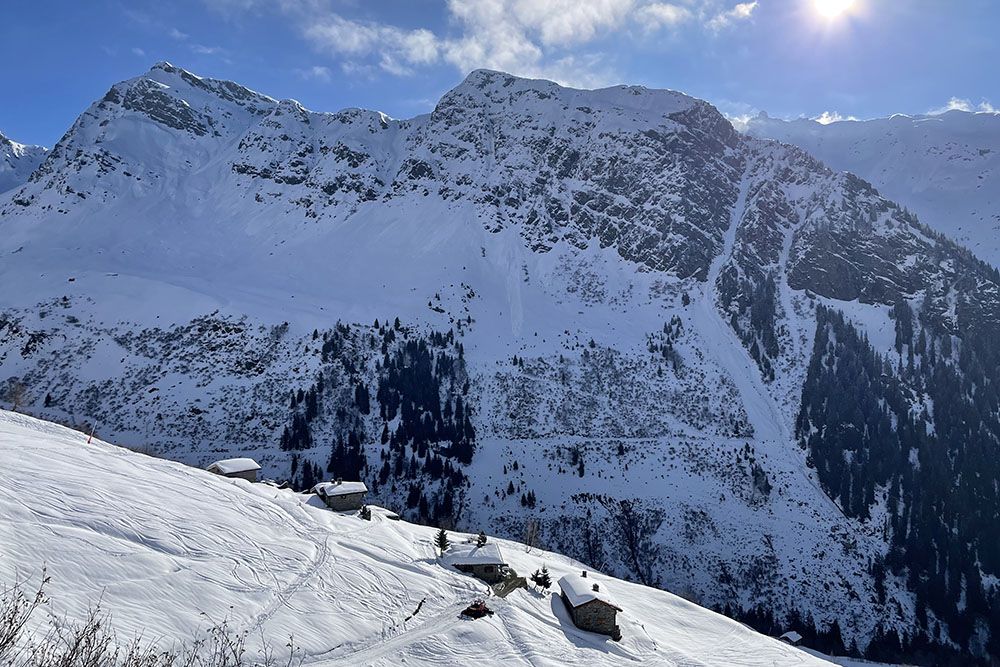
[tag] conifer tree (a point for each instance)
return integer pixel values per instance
(545, 581)
(481, 539)
(441, 541)
(541, 578)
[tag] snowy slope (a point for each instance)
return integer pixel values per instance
(945, 168)
(170, 548)
(17, 162)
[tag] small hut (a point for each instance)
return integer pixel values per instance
(589, 605)
(236, 468)
(342, 496)
(483, 562)
(791, 637)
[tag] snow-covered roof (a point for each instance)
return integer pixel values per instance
(580, 590)
(339, 488)
(791, 637)
(231, 466)
(470, 554)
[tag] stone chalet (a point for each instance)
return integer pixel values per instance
(342, 496)
(483, 562)
(237, 468)
(589, 605)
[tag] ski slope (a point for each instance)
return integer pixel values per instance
(170, 549)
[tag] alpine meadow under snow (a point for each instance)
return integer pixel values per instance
(601, 321)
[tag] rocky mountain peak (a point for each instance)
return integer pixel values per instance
(18, 161)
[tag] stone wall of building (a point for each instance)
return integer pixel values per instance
(594, 616)
(345, 503)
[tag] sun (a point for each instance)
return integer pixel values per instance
(833, 8)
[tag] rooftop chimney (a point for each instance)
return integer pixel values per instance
(584, 575)
(340, 480)
(597, 588)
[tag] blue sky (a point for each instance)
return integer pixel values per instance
(783, 56)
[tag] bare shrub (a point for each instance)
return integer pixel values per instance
(15, 393)
(93, 642)
(16, 608)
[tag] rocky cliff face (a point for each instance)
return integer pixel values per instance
(585, 318)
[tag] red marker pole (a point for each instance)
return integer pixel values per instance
(91, 436)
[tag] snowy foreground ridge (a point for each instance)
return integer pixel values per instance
(170, 546)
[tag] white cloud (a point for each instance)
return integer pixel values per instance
(396, 48)
(491, 38)
(203, 50)
(661, 14)
(174, 33)
(420, 46)
(494, 38)
(828, 117)
(315, 73)
(555, 39)
(356, 69)
(564, 22)
(740, 12)
(138, 52)
(960, 104)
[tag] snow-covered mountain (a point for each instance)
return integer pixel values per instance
(943, 167)
(17, 161)
(604, 320)
(169, 550)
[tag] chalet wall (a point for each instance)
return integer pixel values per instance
(594, 616)
(248, 475)
(488, 573)
(350, 501)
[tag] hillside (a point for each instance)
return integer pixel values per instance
(687, 357)
(945, 168)
(169, 549)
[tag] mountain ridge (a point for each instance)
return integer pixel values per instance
(943, 167)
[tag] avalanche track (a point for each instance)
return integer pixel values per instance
(725, 347)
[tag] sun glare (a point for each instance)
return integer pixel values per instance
(833, 8)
